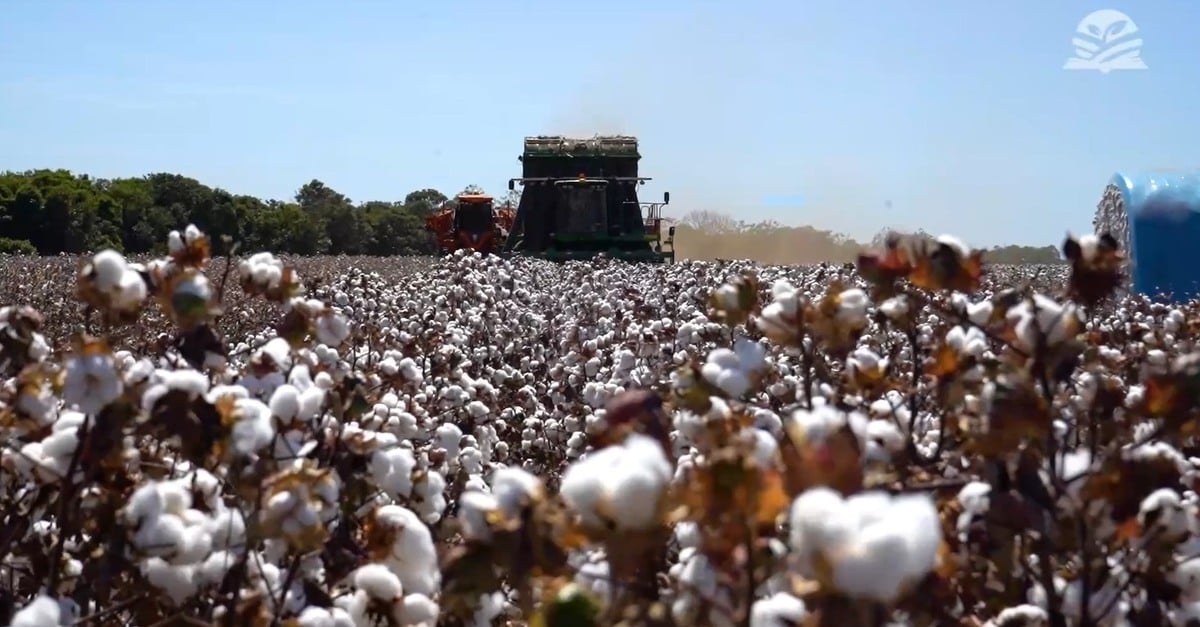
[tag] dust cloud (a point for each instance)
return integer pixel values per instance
(677, 87)
(791, 246)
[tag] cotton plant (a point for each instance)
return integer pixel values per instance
(327, 442)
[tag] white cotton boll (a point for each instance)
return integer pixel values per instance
(145, 502)
(161, 536)
(1186, 575)
(178, 582)
(768, 421)
(884, 439)
(819, 518)
(410, 370)
(1054, 320)
(233, 391)
(196, 545)
(418, 609)
(765, 447)
(852, 307)
(285, 402)
(874, 543)
(687, 534)
(778, 610)
(974, 499)
(473, 508)
(378, 581)
(967, 341)
(470, 460)
(392, 471)
(228, 529)
(215, 567)
(782, 289)
(91, 382)
(895, 307)
(253, 429)
(60, 444)
(1162, 513)
(478, 409)
(130, 291)
(331, 329)
(313, 616)
(1025, 615)
(108, 266)
(278, 351)
(43, 611)
(176, 496)
(432, 499)
(311, 401)
(623, 484)
(263, 269)
(449, 436)
(513, 488)
(732, 381)
(413, 558)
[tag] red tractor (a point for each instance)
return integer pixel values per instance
(470, 221)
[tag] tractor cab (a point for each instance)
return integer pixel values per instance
(473, 216)
(582, 208)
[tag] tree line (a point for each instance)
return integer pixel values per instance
(51, 212)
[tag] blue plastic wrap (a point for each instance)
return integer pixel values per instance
(1163, 214)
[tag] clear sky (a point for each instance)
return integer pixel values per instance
(951, 115)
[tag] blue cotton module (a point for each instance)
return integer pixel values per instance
(1156, 215)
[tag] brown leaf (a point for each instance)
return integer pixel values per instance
(834, 461)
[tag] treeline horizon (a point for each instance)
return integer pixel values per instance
(53, 212)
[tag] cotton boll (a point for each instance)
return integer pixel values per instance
(418, 609)
(473, 509)
(1027, 615)
(331, 328)
(43, 611)
(378, 582)
(91, 382)
(253, 429)
(178, 583)
(625, 482)
(865, 537)
(285, 403)
(412, 558)
(313, 616)
(108, 267)
(778, 610)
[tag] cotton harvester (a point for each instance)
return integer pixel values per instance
(1155, 216)
(579, 199)
(470, 221)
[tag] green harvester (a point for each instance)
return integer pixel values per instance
(579, 200)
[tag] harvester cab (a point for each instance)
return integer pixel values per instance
(473, 219)
(579, 199)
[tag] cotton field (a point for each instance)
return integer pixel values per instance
(340, 442)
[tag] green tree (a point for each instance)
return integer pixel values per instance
(56, 211)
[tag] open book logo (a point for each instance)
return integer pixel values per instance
(1106, 40)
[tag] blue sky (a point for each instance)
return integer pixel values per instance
(950, 115)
